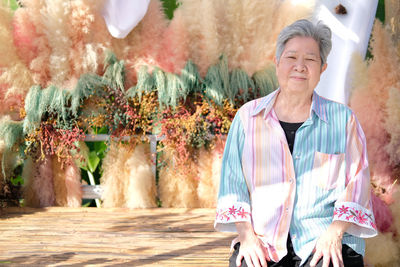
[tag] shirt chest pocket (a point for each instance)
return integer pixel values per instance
(328, 170)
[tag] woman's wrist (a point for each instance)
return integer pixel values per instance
(245, 230)
(339, 227)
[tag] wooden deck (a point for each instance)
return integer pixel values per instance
(108, 237)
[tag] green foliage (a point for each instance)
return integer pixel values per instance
(114, 72)
(58, 104)
(18, 180)
(175, 89)
(88, 85)
(11, 132)
(161, 85)
(145, 84)
(190, 77)
(13, 4)
(217, 84)
(32, 109)
(240, 83)
(380, 11)
(169, 7)
(265, 81)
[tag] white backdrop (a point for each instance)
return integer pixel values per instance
(350, 33)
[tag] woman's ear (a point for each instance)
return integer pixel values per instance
(323, 68)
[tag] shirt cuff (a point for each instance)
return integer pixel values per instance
(362, 219)
(227, 216)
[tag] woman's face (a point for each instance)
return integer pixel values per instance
(299, 67)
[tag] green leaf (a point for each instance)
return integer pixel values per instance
(100, 148)
(93, 161)
(17, 180)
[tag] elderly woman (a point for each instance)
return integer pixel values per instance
(295, 180)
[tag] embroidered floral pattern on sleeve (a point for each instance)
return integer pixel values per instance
(232, 214)
(351, 214)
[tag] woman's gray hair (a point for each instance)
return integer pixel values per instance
(304, 28)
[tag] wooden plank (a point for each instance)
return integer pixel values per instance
(91, 236)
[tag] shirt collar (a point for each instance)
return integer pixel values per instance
(318, 105)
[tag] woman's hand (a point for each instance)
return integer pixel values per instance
(251, 248)
(329, 245)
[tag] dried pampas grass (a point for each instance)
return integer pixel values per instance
(60, 189)
(89, 37)
(55, 19)
(209, 168)
(382, 251)
(113, 180)
(252, 27)
(392, 18)
(128, 180)
(177, 187)
(202, 21)
(140, 191)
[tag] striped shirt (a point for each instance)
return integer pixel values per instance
(325, 179)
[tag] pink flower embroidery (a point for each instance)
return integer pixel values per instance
(231, 213)
(242, 213)
(232, 210)
(361, 218)
(354, 215)
(343, 210)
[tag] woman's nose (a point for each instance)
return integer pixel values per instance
(300, 65)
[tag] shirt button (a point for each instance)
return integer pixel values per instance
(297, 156)
(290, 180)
(294, 236)
(287, 209)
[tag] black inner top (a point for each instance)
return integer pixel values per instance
(290, 129)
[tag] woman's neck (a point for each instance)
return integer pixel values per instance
(291, 107)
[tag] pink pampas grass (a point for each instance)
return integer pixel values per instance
(175, 46)
(383, 214)
(369, 104)
(39, 65)
(73, 184)
(15, 74)
(392, 124)
(24, 34)
(38, 186)
(143, 46)
(67, 183)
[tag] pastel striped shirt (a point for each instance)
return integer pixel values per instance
(325, 179)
